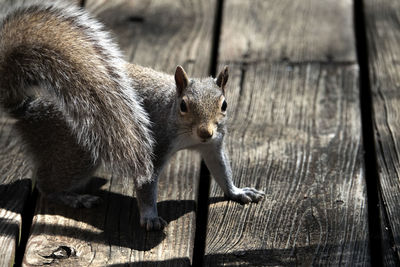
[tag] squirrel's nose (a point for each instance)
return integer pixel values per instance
(204, 132)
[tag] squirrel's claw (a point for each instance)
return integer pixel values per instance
(153, 224)
(246, 195)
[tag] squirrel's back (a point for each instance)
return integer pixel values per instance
(67, 53)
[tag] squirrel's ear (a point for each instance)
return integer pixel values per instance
(222, 78)
(181, 80)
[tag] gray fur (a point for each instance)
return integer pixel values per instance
(88, 110)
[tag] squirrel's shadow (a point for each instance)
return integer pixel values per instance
(116, 218)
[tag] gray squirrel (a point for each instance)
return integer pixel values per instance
(78, 103)
(185, 113)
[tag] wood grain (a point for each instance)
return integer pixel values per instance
(389, 255)
(15, 189)
(277, 30)
(160, 34)
(383, 33)
(295, 133)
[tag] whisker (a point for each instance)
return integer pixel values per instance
(182, 132)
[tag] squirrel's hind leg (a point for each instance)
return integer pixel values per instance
(63, 166)
(65, 185)
(63, 181)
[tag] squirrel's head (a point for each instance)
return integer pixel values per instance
(201, 104)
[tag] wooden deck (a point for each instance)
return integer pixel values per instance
(314, 122)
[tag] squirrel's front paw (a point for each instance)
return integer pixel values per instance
(153, 223)
(246, 195)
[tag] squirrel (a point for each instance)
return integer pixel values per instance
(185, 113)
(78, 103)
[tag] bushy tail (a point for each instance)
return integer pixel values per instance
(68, 54)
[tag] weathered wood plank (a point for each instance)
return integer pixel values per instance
(306, 30)
(295, 133)
(389, 255)
(15, 189)
(160, 34)
(383, 33)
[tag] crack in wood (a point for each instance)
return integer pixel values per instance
(243, 69)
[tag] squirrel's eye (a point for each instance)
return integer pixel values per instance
(224, 106)
(183, 106)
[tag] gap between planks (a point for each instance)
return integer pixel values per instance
(205, 178)
(370, 159)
